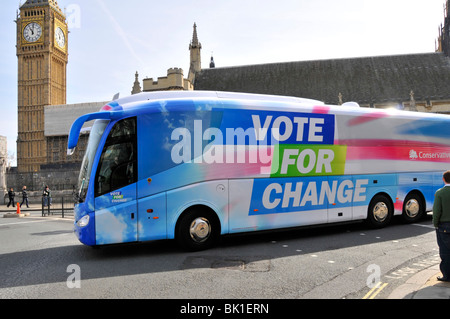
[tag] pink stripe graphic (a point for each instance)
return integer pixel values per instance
(399, 153)
(367, 118)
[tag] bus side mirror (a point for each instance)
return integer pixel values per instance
(70, 151)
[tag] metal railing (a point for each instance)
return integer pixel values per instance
(60, 204)
(57, 205)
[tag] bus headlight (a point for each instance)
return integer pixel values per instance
(84, 221)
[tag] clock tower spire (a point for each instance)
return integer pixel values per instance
(42, 54)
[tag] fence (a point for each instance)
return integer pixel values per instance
(58, 205)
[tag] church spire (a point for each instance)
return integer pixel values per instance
(196, 61)
(443, 41)
(136, 86)
(194, 42)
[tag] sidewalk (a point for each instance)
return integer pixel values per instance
(423, 285)
(10, 209)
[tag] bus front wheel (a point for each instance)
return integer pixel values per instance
(380, 211)
(197, 230)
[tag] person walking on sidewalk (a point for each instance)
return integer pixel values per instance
(11, 195)
(441, 221)
(24, 196)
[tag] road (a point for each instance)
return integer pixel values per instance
(41, 258)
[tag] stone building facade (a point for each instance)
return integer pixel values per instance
(58, 120)
(60, 171)
(174, 81)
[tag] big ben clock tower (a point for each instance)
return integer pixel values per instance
(42, 54)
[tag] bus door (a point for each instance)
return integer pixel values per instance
(115, 186)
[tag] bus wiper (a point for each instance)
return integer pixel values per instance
(77, 194)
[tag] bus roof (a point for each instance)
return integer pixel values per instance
(115, 109)
(118, 108)
(170, 95)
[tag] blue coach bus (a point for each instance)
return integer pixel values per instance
(192, 166)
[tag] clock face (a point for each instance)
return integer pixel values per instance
(32, 32)
(60, 37)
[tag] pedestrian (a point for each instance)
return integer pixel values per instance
(24, 196)
(47, 196)
(441, 221)
(11, 197)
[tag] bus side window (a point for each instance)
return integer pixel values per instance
(117, 166)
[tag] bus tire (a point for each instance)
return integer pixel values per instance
(198, 229)
(380, 211)
(413, 208)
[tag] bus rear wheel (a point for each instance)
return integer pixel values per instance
(380, 212)
(413, 208)
(198, 229)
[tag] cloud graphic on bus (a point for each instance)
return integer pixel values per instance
(112, 228)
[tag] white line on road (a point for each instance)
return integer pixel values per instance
(30, 222)
(426, 226)
(36, 221)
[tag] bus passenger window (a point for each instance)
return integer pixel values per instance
(117, 166)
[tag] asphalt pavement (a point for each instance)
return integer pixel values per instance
(423, 285)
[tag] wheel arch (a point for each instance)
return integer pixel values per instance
(197, 228)
(386, 194)
(414, 194)
(203, 206)
(419, 193)
(372, 219)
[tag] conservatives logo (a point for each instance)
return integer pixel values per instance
(440, 156)
(413, 155)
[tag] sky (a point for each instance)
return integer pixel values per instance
(110, 40)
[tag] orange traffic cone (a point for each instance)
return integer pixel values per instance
(18, 209)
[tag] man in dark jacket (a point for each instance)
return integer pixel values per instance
(24, 196)
(441, 221)
(11, 197)
(47, 196)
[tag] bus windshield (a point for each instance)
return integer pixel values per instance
(86, 167)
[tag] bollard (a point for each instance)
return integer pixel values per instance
(18, 209)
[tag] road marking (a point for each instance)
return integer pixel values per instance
(31, 222)
(426, 226)
(375, 291)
